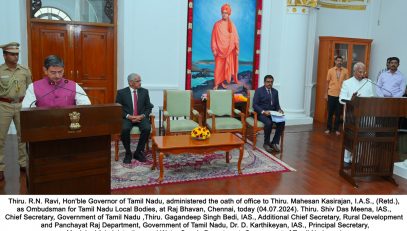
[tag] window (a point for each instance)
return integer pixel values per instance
(51, 13)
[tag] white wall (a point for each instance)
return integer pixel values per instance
(13, 28)
(152, 43)
(389, 34)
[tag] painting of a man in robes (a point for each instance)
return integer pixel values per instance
(223, 38)
(225, 49)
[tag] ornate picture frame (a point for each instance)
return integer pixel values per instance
(202, 16)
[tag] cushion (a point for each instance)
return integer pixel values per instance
(181, 125)
(250, 121)
(224, 123)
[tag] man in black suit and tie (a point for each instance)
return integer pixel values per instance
(265, 100)
(136, 108)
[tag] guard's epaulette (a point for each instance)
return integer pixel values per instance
(23, 67)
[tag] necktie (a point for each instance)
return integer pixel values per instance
(135, 103)
(269, 92)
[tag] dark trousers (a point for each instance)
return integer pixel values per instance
(145, 129)
(268, 127)
(334, 107)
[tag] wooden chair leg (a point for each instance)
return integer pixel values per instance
(254, 138)
(147, 145)
(282, 141)
(116, 149)
(244, 134)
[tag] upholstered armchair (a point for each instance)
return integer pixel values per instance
(254, 125)
(221, 113)
(179, 115)
(134, 134)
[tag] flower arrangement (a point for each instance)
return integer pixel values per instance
(239, 98)
(200, 133)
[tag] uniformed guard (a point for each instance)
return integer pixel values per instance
(14, 80)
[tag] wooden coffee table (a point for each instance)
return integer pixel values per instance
(184, 144)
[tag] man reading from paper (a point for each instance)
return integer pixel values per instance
(54, 90)
(359, 86)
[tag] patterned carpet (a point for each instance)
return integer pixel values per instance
(192, 167)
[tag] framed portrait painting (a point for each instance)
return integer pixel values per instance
(223, 45)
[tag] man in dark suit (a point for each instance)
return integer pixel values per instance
(265, 100)
(130, 98)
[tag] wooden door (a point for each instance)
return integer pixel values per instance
(94, 62)
(87, 51)
(352, 50)
(51, 39)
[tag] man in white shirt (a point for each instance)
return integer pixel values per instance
(359, 86)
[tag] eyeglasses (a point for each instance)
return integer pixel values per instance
(137, 81)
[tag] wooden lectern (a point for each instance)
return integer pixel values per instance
(67, 154)
(370, 134)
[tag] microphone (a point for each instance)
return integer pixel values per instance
(380, 87)
(76, 92)
(36, 100)
(356, 92)
(56, 87)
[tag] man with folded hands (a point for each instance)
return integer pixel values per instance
(266, 100)
(136, 107)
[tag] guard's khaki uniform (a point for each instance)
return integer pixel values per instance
(13, 84)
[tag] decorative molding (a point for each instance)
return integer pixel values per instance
(303, 3)
(297, 10)
(35, 6)
(344, 4)
(109, 9)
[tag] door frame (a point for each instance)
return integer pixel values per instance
(114, 25)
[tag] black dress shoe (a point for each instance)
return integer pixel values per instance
(275, 147)
(267, 148)
(140, 158)
(127, 158)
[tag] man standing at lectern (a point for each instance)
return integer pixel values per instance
(54, 90)
(14, 80)
(136, 108)
(359, 86)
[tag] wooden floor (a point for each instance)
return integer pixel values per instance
(315, 156)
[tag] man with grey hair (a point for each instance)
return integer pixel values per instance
(359, 86)
(136, 108)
